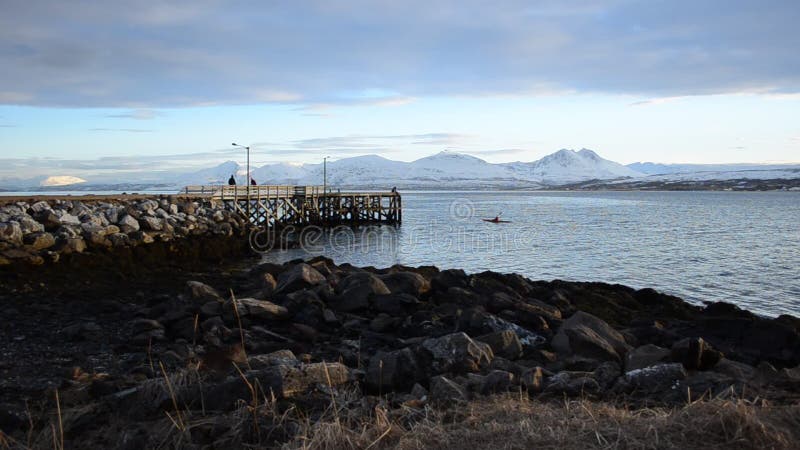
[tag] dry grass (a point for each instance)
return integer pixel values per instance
(514, 423)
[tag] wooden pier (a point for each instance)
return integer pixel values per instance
(277, 206)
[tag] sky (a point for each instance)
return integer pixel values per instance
(159, 84)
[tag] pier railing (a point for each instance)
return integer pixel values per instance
(280, 205)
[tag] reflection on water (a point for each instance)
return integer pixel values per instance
(702, 246)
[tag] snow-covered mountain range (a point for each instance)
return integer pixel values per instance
(444, 170)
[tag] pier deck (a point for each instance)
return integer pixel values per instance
(284, 205)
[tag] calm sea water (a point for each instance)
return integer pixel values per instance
(739, 247)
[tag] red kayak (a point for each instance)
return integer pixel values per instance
(496, 220)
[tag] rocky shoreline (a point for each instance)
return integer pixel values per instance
(223, 359)
(43, 231)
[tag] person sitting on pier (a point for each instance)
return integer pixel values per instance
(232, 181)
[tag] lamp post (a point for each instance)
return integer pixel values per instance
(248, 177)
(325, 188)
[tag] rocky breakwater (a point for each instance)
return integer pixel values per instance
(248, 361)
(44, 231)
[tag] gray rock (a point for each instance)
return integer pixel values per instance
(277, 358)
(40, 241)
(572, 384)
(496, 381)
(533, 379)
(40, 207)
(586, 335)
(11, 232)
(198, 291)
(300, 276)
(444, 391)
(128, 224)
(119, 239)
(695, 354)
(151, 223)
(391, 371)
(406, 283)
(457, 352)
(645, 356)
(503, 343)
(262, 309)
(69, 219)
(654, 379)
(28, 225)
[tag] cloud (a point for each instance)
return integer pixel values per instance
(137, 114)
(206, 52)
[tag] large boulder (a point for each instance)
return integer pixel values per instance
(653, 379)
(406, 283)
(645, 356)
(40, 240)
(446, 391)
(695, 354)
(262, 309)
(11, 232)
(128, 224)
(300, 276)
(201, 292)
(457, 353)
(357, 290)
(504, 343)
(586, 335)
(151, 223)
(392, 371)
(282, 381)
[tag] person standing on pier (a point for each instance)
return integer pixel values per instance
(232, 181)
(253, 182)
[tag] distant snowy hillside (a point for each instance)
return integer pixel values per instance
(650, 168)
(568, 166)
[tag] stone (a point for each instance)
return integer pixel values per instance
(40, 240)
(585, 342)
(695, 354)
(29, 225)
(443, 390)
(75, 245)
(654, 379)
(392, 371)
(406, 283)
(151, 223)
(496, 381)
(572, 384)
(383, 323)
(277, 358)
(39, 207)
(262, 309)
(395, 304)
(645, 356)
(503, 343)
(286, 381)
(211, 308)
(69, 219)
(300, 276)
(142, 325)
(533, 379)
(586, 335)
(457, 352)
(476, 321)
(119, 239)
(450, 278)
(11, 232)
(198, 291)
(128, 224)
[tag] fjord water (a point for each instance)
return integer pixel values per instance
(739, 247)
